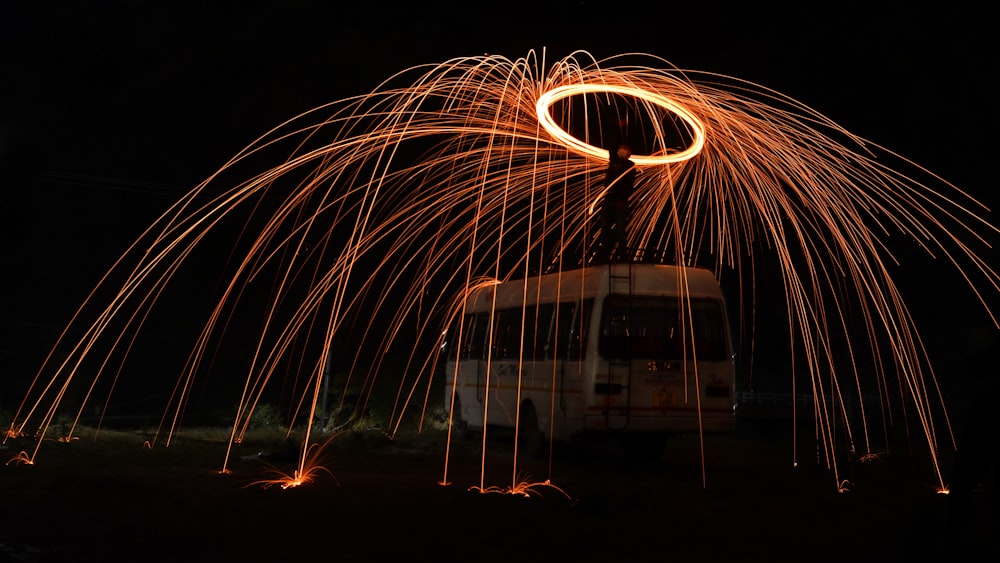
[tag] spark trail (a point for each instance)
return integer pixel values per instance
(384, 208)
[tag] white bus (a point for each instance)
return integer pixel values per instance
(638, 349)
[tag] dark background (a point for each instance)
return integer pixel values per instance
(112, 110)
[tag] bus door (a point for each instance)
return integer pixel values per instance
(479, 340)
(567, 346)
(470, 368)
(501, 333)
(561, 346)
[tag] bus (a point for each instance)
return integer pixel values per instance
(642, 350)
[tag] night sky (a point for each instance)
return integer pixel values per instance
(111, 110)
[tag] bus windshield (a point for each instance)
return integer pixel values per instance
(660, 328)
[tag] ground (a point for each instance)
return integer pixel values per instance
(116, 500)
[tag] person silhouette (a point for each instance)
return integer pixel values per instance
(619, 183)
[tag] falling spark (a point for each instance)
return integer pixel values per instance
(384, 208)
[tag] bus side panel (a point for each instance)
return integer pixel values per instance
(540, 387)
(536, 387)
(509, 391)
(465, 392)
(500, 403)
(569, 403)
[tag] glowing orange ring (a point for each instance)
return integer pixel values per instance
(586, 149)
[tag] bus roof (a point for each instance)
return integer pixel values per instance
(645, 279)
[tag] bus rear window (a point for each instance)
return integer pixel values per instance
(660, 328)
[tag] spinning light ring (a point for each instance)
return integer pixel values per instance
(586, 149)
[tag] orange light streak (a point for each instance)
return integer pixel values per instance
(384, 207)
(578, 146)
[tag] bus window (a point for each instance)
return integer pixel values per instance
(709, 330)
(559, 341)
(474, 332)
(507, 342)
(649, 327)
(568, 335)
(506, 336)
(537, 323)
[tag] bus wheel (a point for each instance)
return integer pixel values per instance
(530, 440)
(459, 427)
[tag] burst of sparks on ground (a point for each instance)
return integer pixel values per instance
(306, 473)
(21, 457)
(523, 487)
(385, 206)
